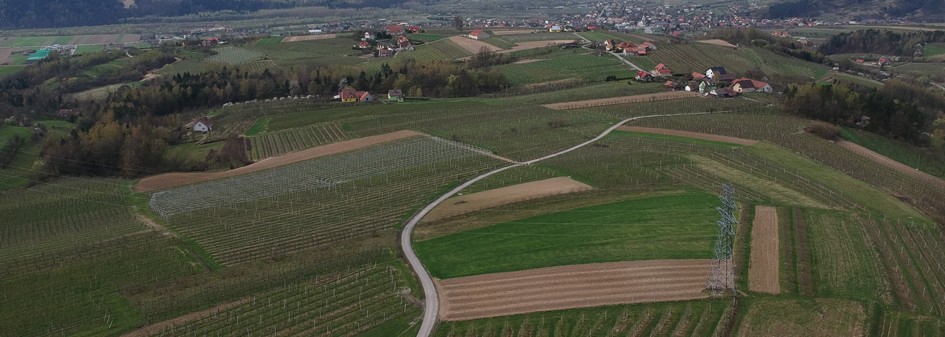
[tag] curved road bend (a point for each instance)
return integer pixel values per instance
(431, 301)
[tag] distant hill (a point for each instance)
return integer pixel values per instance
(18, 14)
(859, 9)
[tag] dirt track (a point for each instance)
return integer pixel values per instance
(307, 38)
(574, 286)
(764, 265)
(174, 179)
(687, 134)
(888, 162)
(621, 100)
(472, 46)
(156, 328)
(506, 195)
(5, 55)
(717, 42)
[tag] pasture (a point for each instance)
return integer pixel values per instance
(562, 64)
(40, 41)
(235, 55)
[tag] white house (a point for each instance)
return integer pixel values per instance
(203, 125)
(715, 71)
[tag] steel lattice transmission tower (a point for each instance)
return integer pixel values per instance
(722, 272)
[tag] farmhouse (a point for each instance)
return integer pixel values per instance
(384, 50)
(555, 29)
(609, 45)
(748, 85)
(351, 95)
(662, 70)
(414, 29)
(395, 95)
(203, 125)
(364, 45)
(715, 71)
(403, 43)
(478, 34)
(644, 76)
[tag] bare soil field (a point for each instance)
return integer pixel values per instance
(5, 55)
(574, 286)
(524, 61)
(535, 44)
(308, 38)
(888, 162)
(506, 195)
(717, 42)
(512, 32)
(174, 179)
(764, 264)
(472, 46)
(621, 100)
(129, 38)
(157, 328)
(687, 134)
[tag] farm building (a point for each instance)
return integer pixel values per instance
(478, 34)
(749, 85)
(644, 76)
(39, 55)
(203, 125)
(395, 29)
(352, 95)
(395, 95)
(662, 70)
(555, 29)
(403, 43)
(715, 71)
(414, 29)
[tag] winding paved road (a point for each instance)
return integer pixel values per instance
(431, 306)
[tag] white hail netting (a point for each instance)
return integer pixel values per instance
(311, 174)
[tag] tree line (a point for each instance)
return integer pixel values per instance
(880, 42)
(899, 109)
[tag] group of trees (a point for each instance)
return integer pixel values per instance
(880, 41)
(128, 132)
(761, 39)
(899, 109)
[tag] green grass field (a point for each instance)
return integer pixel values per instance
(933, 49)
(90, 48)
(677, 225)
(7, 70)
(564, 64)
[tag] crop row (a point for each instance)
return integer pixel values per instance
(312, 174)
(235, 55)
(347, 304)
(280, 142)
(678, 319)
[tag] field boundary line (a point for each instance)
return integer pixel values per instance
(431, 301)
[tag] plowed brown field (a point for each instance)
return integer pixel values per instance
(764, 265)
(174, 179)
(506, 195)
(472, 46)
(687, 134)
(717, 42)
(575, 286)
(621, 100)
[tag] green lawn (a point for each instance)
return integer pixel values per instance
(933, 49)
(425, 37)
(920, 158)
(564, 64)
(89, 48)
(668, 226)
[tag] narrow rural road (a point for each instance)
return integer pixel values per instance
(626, 61)
(581, 37)
(431, 305)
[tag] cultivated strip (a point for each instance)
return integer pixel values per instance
(891, 163)
(688, 134)
(764, 266)
(175, 179)
(575, 286)
(505, 195)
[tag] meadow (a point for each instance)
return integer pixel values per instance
(671, 226)
(565, 64)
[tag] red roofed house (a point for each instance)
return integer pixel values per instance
(644, 76)
(350, 95)
(625, 46)
(478, 34)
(662, 70)
(414, 29)
(403, 43)
(749, 85)
(395, 29)
(364, 45)
(648, 45)
(697, 76)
